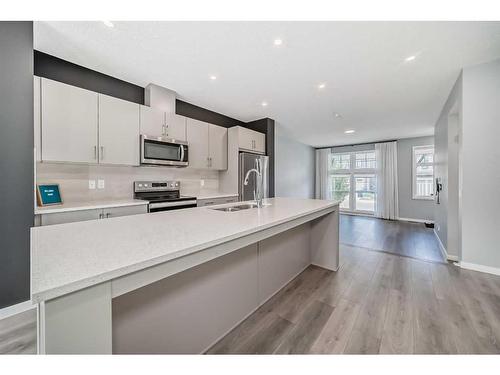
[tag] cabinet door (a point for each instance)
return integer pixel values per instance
(245, 139)
(197, 138)
(36, 118)
(69, 123)
(125, 211)
(152, 121)
(259, 142)
(175, 126)
(118, 131)
(69, 217)
(217, 147)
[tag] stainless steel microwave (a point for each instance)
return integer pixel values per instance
(163, 151)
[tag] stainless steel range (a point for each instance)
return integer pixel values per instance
(162, 195)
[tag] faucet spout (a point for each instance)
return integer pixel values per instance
(258, 191)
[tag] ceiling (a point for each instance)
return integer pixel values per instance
(367, 80)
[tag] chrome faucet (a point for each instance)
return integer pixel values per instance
(258, 191)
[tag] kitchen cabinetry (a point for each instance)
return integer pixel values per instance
(207, 145)
(250, 140)
(160, 124)
(215, 201)
(118, 131)
(37, 137)
(91, 214)
(69, 117)
(81, 126)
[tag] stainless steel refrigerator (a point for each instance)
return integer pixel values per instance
(247, 162)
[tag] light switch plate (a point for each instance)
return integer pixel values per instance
(100, 184)
(91, 184)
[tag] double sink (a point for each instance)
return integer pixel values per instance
(237, 208)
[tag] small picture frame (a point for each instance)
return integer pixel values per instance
(48, 195)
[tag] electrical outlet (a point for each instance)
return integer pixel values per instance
(100, 184)
(91, 184)
(202, 182)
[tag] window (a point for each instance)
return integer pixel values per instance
(354, 180)
(423, 172)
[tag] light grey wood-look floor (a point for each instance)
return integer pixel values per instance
(18, 333)
(376, 303)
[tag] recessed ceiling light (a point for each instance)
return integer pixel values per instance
(278, 42)
(349, 131)
(264, 104)
(213, 78)
(411, 58)
(321, 86)
(337, 115)
(108, 23)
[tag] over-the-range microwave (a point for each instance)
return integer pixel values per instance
(163, 151)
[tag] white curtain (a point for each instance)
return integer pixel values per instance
(323, 182)
(387, 180)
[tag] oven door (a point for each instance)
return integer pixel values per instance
(163, 151)
(172, 205)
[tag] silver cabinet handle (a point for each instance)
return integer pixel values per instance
(108, 215)
(102, 153)
(95, 152)
(208, 162)
(101, 216)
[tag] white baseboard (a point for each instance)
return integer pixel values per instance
(480, 268)
(415, 220)
(16, 309)
(447, 256)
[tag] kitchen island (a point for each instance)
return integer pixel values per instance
(172, 282)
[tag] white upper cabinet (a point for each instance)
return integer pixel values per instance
(118, 131)
(152, 121)
(69, 123)
(175, 127)
(217, 147)
(250, 140)
(157, 123)
(197, 137)
(207, 145)
(37, 137)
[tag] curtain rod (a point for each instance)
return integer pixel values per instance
(356, 144)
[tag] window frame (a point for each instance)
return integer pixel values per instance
(414, 173)
(354, 172)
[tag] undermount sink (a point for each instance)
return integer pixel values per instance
(239, 207)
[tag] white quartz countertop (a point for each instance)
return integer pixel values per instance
(93, 205)
(69, 257)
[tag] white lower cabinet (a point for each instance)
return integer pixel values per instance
(216, 201)
(69, 217)
(92, 214)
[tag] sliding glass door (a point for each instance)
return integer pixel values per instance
(354, 180)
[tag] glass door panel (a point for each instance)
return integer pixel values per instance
(366, 188)
(341, 187)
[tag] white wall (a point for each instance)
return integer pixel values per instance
(410, 208)
(443, 164)
(294, 166)
(480, 160)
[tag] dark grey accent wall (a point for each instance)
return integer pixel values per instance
(60, 70)
(16, 160)
(267, 126)
(198, 113)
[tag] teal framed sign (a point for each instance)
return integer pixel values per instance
(48, 195)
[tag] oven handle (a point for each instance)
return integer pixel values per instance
(172, 204)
